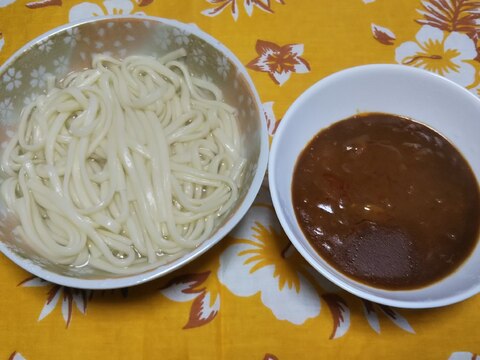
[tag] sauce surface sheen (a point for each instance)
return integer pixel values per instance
(387, 201)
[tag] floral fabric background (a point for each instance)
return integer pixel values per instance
(252, 296)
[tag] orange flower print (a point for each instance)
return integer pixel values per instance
(4, 3)
(249, 5)
(270, 357)
(279, 61)
(16, 356)
(272, 122)
(371, 311)
(464, 355)
(188, 287)
(43, 3)
(67, 296)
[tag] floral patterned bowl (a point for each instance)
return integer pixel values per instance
(428, 98)
(70, 48)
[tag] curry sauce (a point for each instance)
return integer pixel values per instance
(387, 201)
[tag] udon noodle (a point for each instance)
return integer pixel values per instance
(123, 166)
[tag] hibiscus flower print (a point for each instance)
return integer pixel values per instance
(444, 53)
(198, 288)
(279, 61)
(4, 3)
(87, 10)
(233, 5)
(16, 356)
(272, 122)
(463, 355)
(262, 260)
(12, 79)
(67, 297)
(372, 310)
(43, 3)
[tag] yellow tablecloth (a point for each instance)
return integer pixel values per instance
(252, 296)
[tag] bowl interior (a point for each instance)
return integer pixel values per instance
(417, 94)
(70, 48)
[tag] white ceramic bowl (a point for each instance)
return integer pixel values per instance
(430, 99)
(69, 48)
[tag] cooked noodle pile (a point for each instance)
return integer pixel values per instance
(124, 166)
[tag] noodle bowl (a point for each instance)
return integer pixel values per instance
(123, 166)
(72, 48)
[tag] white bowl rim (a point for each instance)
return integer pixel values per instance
(447, 300)
(137, 279)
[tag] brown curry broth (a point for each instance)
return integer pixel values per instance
(387, 201)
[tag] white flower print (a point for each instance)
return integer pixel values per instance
(73, 35)
(46, 45)
(180, 37)
(260, 260)
(16, 356)
(476, 90)
(61, 65)
(223, 67)
(4, 3)
(199, 56)
(38, 77)
(279, 61)
(272, 122)
(200, 289)
(445, 53)
(63, 296)
(6, 109)
(12, 79)
(463, 355)
(29, 99)
(162, 39)
(87, 10)
(220, 5)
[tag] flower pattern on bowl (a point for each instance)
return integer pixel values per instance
(12, 79)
